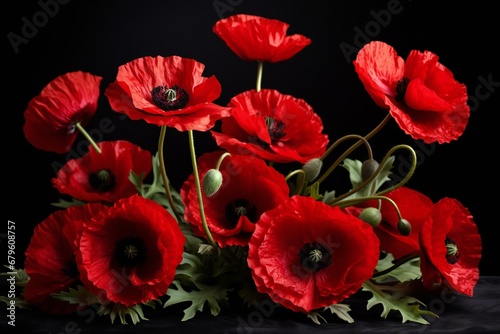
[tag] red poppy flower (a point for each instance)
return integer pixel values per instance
(168, 91)
(451, 247)
(104, 177)
(129, 252)
(307, 255)
(421, 94)
(414, 207)
(273, 126)
(257, 38)
(50, 257)
(51, 117)
(249, 188)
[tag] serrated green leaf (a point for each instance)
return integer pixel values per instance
(314, 191)
(66, 204)
(19, 274)
(81, 296)
(121, 311)
(19, 302)
(342, 311)
(210, 295)
(354, 169)
(136, 180)
(408, 271)
(391, 298)
(315, 317)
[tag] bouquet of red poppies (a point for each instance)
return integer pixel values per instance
(240, 230)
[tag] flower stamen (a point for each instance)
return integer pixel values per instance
(401, 89)
(168, 99)
(452, 254)
(315, 255)
(102, 180)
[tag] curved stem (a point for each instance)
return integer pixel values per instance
(198, 189)
(410, 172)
(88, 137)
(377, 171)
(362, 140)
(166, 183)
(355, 201)
(260, 68)
(300, 181)
(353, 147)
(219, 162)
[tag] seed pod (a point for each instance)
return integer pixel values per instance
(404, 227)
(212, 182)
(312, 169)
(372, 216)
(368, 167)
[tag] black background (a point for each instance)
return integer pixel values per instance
(98, 36)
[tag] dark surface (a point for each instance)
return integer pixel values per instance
(457, 314)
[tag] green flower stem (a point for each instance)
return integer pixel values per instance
(362, 140)
(381, 165)
(355, 201)
(260, 67)
(300, 180)
(222, 157)
(166, 183)
(398, 263)
(410, 172)
(88, 137)
(198, 190)
(353, 147)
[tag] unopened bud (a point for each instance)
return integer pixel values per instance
(212, 182)
(368, 168)
(404, 227)
(372, 216)
(312, 169)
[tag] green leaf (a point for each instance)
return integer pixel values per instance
(392, 298)
(66, 204)
(354, 169)
(136, 181)
(121, 311)
(19, 302)
(315, 317)
(342, 311)
(210, 295)
(81, 296)
(406, 272)
(19, 274)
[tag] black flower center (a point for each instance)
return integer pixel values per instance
(275, 128)
(401, 89)
(241, 207)
(315, 256)
(70, 269)
(452, 254)
(130, 252)
(168, 99)
(102, 180)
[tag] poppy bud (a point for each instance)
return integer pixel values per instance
(212, 182)
(368, 168)
(372, 216)
(312, 169)
(404, 227)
